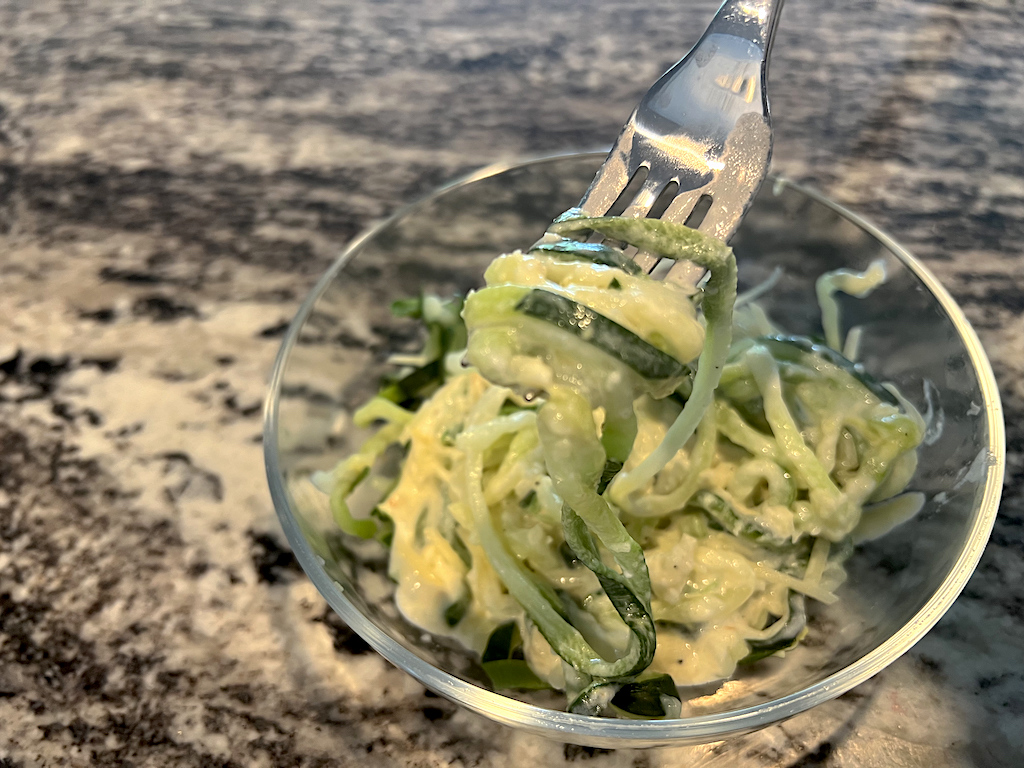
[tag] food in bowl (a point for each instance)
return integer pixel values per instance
(614, 486)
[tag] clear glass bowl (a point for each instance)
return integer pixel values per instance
(914, 335)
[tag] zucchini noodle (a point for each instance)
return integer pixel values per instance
(626, 487)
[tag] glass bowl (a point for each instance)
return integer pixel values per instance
(914, 335)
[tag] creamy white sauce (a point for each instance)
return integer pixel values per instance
(711, 592)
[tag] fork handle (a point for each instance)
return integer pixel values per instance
(741, 32)
(753, 20)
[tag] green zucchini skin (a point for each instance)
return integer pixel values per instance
(642, 698)
(596, 253)
(797, 348)
(596, 329)
(504, 664)
(724, 518)
(788, 637)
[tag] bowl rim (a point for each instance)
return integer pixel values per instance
(566, 726)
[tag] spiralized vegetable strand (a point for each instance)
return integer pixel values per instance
(675, 241)
(565, 639)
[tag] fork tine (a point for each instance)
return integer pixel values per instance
(704, 124)
(645, 198)
(611, 180)
(679, 209)
(685, 274)
(646, 261)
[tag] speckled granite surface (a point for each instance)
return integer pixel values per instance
(174, 176)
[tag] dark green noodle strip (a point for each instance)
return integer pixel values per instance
(612, 467)
(449, 319)
(797, 349)
(528, 499)
(461, 549)
(594, 700)
(385, 526)
(618, 587)
(456, 612)
(677, 242)
(364, 529)
(575, 471)
(502, 643)
(723, 517)
(509, 407)
(410, 306)
(417, 386)
(446, 334)
(752, 411)
(570, 560)
(513, 674)
(605, 334)
(643, 698)
(666, 239)
(597, 253)
(504, 663)
(537, 597)
(792, 632)
(639, 698)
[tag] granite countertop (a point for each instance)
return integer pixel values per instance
(175, 175)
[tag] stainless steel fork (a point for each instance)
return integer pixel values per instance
(702, 135)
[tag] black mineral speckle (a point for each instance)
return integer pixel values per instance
(170, 679)
(104, 364)
(102, 315)
(45, 367)
(240, 693)
(51, 731)
(273, 563)
(79, 730)
(130, 276)
(38, 377)
(818, 757)
(183, 478)
(10, 366)
(576, 752)
(274, 331)
(162, 309)
(246, 411)
(344, 638)
(93, 679)
(32, 638)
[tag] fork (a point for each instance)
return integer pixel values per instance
(697, 147)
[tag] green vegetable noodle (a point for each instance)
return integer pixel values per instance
(614, 487)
